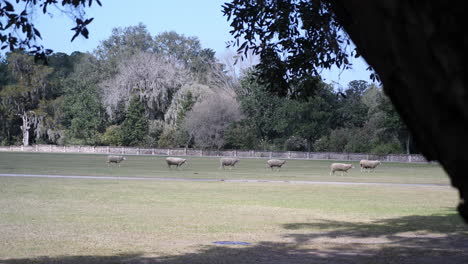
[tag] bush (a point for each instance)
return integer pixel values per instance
(112, 136)
(322, 144)
(155, 129)
(240, 136)
(387, 148)
(167, 138)
(359, 141)
(295, 144)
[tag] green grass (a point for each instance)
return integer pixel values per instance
(208, 168)
(95, 221)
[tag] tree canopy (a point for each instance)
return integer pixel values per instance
(295, 39)
(17, 29)
(415, 49)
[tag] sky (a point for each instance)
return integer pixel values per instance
(202, 18)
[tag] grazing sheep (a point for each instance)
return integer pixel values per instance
(175, 161)
(340, 167)
(275, 163)
(228, 162)
(369, 164)
(115, 159)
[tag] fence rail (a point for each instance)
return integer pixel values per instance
(215, 153)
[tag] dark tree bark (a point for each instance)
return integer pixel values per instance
(418, 50)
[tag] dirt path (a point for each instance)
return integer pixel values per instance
(215, 180)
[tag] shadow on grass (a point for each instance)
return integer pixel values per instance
(411, 239)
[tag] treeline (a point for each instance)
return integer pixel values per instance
(168, 91)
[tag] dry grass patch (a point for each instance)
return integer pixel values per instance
(110, 221)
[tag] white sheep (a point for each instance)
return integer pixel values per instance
(115, 159)
(275, 163)
(231, 162)
(340, 167)
(175, 161)
(369, 164)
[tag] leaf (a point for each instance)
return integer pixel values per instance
(76, 35)
(85, 32)
(87, 21)
(8, 7)
(37, 33)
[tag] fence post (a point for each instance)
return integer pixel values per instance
(289, 154)
(185, 149)
(235, 153)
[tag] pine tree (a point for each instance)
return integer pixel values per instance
(135, 125)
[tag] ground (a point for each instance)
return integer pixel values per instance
(64, 220)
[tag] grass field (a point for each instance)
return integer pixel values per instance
(75, 221)
(208, 168)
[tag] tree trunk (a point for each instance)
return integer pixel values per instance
(418, 50)
(407, 145)
(25, 128)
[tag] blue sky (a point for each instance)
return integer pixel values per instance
(202, 19)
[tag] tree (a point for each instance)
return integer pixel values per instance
(351, 111)
(188, 50)
(19, 31)
(259, 106)
(306, 120)
(414, 47)
(294, 38)
(391, 124)
(29, 86)
(84, 116)
(155, 79)
(209, 120)
(135, 126)
(201, 63)
(123, 44)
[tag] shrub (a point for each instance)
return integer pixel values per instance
(112, 136)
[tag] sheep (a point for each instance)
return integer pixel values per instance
(369, 164)
(340, 167)
(228, 162)
(115, 159)
(175, 161)
(275, 163)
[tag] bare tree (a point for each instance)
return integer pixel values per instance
(29, 118)
(154, 79)
(199, 93)
(209, 119)
(237, 64)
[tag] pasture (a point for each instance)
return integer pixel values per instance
(209, 168)
(73, 221)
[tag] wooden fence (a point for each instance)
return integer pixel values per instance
(215, 153)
